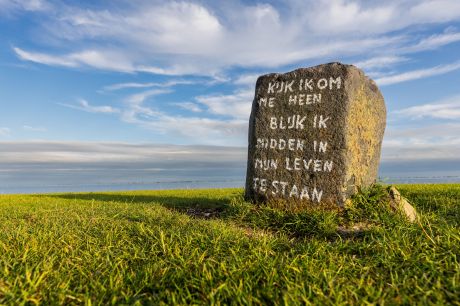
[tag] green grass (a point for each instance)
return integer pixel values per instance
(158, 247)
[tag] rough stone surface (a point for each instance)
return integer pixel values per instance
(399, 203)
(314, 135)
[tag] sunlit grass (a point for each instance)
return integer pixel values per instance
(146, 247)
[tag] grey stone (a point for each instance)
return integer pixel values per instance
(315, 135)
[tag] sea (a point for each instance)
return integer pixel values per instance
(86, 177)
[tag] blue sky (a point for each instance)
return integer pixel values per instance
(183, 72)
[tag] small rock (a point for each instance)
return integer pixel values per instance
(354, 230)
(400, 203)
(205, 213)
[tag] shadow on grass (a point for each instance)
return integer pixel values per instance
(313, 223)
(196, 206)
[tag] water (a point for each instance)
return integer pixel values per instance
(73, 177)
(420, 171)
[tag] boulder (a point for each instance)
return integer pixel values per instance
(315, 135)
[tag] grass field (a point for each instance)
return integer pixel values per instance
(210, 247)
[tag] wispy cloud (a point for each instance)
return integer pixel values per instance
(195, 129)
(236, 105)
(347, 16)
(380, 62)
(83, 105)
(403, 152)
(435, 139)
(433, 42)
(142, 110)
(377, 65)
(430, 141)
(192, 129)
(445, 109)
(247, 79)
(435, 11)
(418, 74)
(139, 98)
(100, 59)
(78, 152)
(27, 5)
(4, 132)
(193, 107)
(34, 128)
(45, 59)
(169, 83)
(128, 85)
(199, 38)
(202, 39)
(434, 133)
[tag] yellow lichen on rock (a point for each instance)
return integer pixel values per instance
(365, 124)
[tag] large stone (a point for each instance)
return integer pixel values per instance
(314, 135)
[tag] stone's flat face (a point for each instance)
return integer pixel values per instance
(314, 135)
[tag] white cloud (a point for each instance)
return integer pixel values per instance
(445, 109)
(247, 79)
(193, 107)
(139, 98)
(430, 141)
(184, 68)
(83, 105)
(112, 60)
(183, 38)
(380, 62)
(429, 132)
(436, 139)
(26, 5)
(105, 60)
(401, 152)
(33, 5)
(4, 132)
(237, 105)
(407, 140)
(205, 38)
(193, 129)
(433, 42)
(170, 83)
(366, 17)
(339, 16)
(80, 152)
(43, 58)
(436, 10)
(33, 128)
(418, 74)
(190, 129)
(128, 85)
